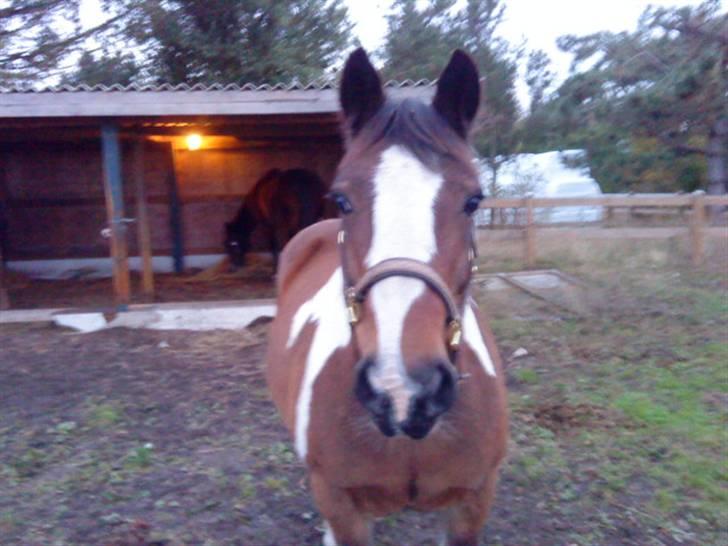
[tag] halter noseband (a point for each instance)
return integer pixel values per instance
(356, 293)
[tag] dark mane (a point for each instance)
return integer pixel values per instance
(417, 127)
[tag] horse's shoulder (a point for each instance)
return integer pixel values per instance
(314, 240)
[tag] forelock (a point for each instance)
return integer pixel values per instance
(419, 128)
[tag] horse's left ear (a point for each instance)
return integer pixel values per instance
(458, 93)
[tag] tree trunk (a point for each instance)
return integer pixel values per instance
(718, 162)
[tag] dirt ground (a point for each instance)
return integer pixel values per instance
(25, 293)
(141, 438)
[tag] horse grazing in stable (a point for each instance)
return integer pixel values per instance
(378, 359)
(280, 205)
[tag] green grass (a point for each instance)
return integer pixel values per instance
(653, 362)
(104, 414)
(528, 376)
(140, 457)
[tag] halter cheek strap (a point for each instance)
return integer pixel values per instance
(403, 267)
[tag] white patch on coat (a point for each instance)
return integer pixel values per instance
(474, 338)
(403, 226)
(329, 539)
(327, 309)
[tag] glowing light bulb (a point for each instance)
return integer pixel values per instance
(194, 141)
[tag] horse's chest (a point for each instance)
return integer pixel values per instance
(384, 475)
(421, 493)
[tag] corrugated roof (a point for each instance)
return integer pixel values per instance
(165, 100)
(295, 85)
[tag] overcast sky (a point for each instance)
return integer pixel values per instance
(537, 22)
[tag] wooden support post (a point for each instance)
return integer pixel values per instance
(113, 191)
(175, 216)
(529, 234)
(144, 238)
(697, 230)
(4, 299)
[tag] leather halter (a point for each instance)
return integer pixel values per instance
(355, 294)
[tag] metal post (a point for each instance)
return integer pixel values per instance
(113, 191)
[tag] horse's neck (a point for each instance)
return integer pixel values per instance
(312, 254)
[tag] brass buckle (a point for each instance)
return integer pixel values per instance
(454, 334)
(352, 305)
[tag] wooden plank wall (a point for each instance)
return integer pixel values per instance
(55, 197)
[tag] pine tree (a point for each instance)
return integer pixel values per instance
(106, 69)
(419, 42)
(242, 41)
(35, 35)
(650, 105)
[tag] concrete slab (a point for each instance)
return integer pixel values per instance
(81, 322)
(539, 280)
(196, 316)
(532, 279)
(28, 315)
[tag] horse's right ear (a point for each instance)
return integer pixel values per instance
(361, 94)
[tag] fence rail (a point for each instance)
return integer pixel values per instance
(696, 223)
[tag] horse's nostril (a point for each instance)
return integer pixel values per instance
(378, 404)
(441, 395)
(436, 396)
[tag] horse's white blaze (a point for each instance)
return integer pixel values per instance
(391, 300)
(327, 309)
(403, 226)
(474, 338)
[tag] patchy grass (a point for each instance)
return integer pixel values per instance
(104, 415)
(527, 376)
(618, 437)
(647, 371)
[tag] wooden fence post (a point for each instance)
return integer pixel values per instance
(144, 239)
(697, 230)
(113, 190)
(175, 215)
(529, 233)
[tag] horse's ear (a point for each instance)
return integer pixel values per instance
(361, 93)
(458, 93)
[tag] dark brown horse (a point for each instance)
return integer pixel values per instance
(379, 361)
(280, 205)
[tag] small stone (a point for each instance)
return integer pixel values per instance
(112, 519)
(163, 345)
(66, 427)
(520, 352)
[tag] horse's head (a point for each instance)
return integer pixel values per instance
(406, 189)
(237, 237)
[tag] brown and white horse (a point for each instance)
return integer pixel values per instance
(379, 362)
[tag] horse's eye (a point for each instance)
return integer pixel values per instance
(342, 202)
(472, 203)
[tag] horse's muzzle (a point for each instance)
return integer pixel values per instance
(435, 394)
(378, 404)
